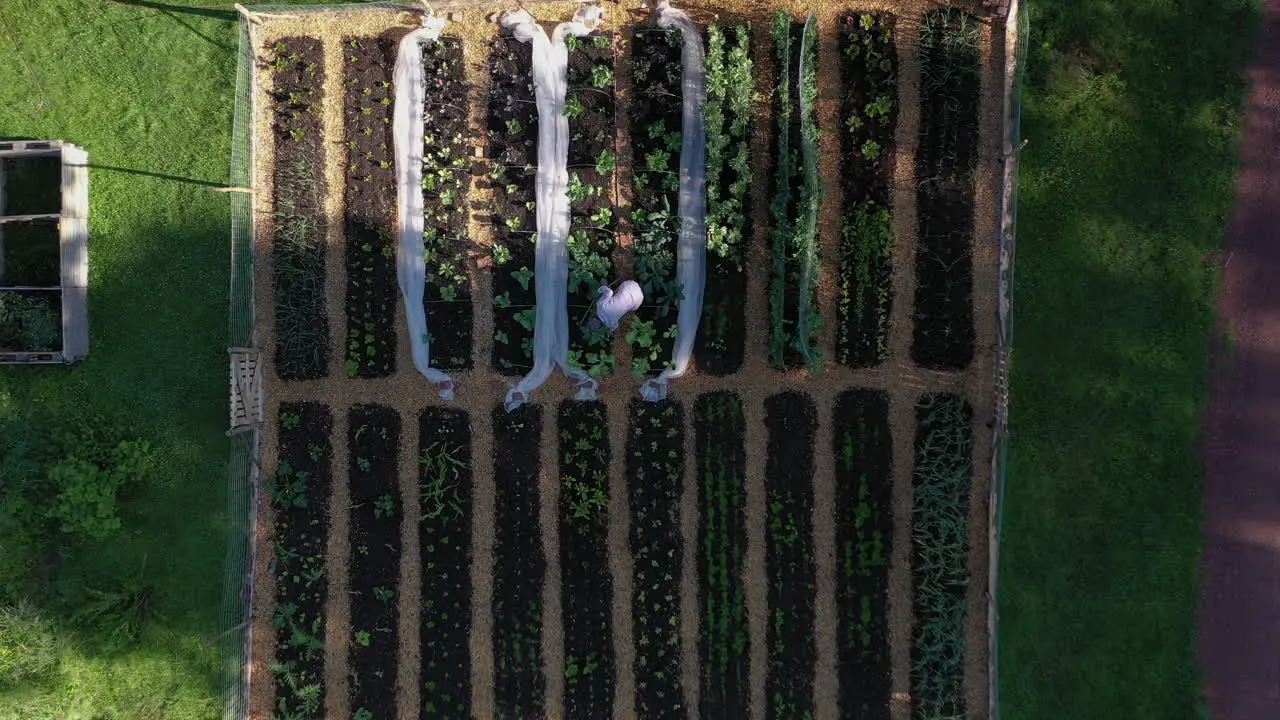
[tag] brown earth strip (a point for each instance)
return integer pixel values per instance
(620, 564)
(755, 580)
(483, 501)
(825, 681)
(690, 667)
(408, 688)
(1239, 615)
(549, 521)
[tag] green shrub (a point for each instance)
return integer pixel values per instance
(86, 502)
(28, 324)
(28, 646)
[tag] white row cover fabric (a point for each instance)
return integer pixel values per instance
(691, 250)
(551, 258)
(612, 306)
(411, 267)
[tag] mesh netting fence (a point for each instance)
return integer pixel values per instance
(1018, 33)
(243, 471)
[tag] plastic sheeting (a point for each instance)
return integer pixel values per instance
(691, 250)
(411, 266)
(551, 258)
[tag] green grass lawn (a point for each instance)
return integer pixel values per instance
(1133, 110)
(149, 92)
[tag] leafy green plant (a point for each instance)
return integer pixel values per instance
(86, 491)
(29, 322)
(287, 487)
(442, 469)
(601, 76)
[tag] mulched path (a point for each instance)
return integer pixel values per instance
(1239, 619)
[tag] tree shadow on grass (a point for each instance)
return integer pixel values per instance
(1131, 110)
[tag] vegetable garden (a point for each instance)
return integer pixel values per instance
(764, 495)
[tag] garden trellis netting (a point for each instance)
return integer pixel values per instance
(493, 412)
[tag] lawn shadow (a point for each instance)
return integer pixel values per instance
(156, 371)
(1130, 109)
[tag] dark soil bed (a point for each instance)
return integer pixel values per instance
(299, 492)
(869, 111)
(864, 540)
(584, 560)
(939, 565)
(788, 211)
(32, 185)
(656, 132)
(444, 452)
(372, 288)
(718, 348)
(376, 510)
(792, 422)
(513, 153)
(655, 471)
(445, 181)
(723, 647)
(32, 254)
(519, 564)
(298, 230)
(945, 169)
(592, 160)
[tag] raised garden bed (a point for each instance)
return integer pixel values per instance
(299, 493)
(519, 565)
(373, 443)
(792, 422)
(655, 471)
(731, 98)
(444, 536)
(724, 643)
(864, 539)
(298, 220)
(869, 113)
(513, 151)
(655, 219)
(794, 322)
(445, 197)
(589, 106)
(940, 547)
(946, 165)
(44, 204)
(372, 289)
(584, 560)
